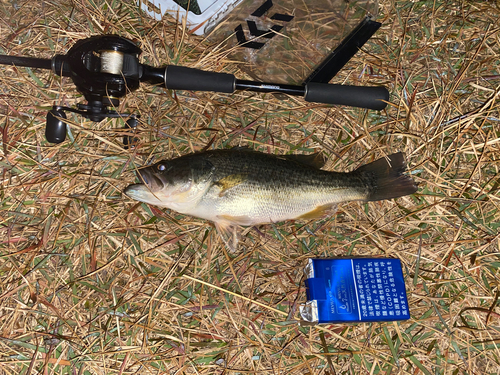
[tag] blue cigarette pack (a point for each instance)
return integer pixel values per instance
(354, 290)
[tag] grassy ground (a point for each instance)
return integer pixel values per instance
(94, 283)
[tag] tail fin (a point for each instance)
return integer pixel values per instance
(385, 178)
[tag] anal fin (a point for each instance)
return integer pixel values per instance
(319, 212)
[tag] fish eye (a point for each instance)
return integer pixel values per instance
(161, 167)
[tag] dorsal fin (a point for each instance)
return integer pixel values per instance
(241, 148)
(316, 160)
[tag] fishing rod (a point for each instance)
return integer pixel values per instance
(105, 68)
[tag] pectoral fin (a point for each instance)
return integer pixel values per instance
(229, 182)
(319, 212)
(229, 234)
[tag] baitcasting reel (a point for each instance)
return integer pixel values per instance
(104, 68)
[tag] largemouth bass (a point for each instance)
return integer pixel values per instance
(242, 187)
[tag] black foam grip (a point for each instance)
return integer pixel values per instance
(355, 96)
(182, 78)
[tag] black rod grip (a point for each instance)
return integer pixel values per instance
(182, 78)
(355, 96)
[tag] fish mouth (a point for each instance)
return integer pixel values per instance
(150, 179)
(141, 193)
(145, 191)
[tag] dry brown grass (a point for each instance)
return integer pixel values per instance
(93, 283)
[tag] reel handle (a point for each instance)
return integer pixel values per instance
(55, 129)
(183, 78)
